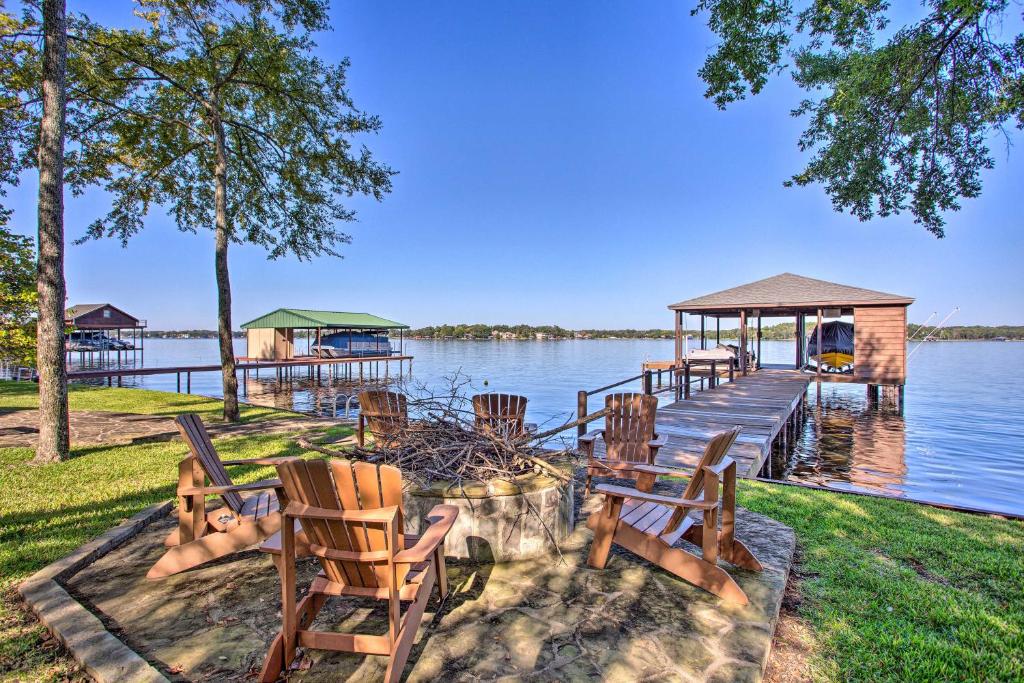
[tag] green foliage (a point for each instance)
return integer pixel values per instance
(904, 117)
(17, 297)
(245, 69)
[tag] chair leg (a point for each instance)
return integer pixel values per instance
(735, 553)
(442, 572)
(403, 643)
(274, 663)
(604, 523)
(686, 566)
(214, 546)
(586, 489)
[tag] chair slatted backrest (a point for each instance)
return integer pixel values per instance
(503, 414)
(194, 433)
(347, 485)
(629, 426)
(714, 453)
(386, 413)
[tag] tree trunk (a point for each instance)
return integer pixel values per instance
(54, 439)
(227, 352)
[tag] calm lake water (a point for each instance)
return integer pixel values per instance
(959, 441)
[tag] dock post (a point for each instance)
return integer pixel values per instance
(648, 389)
(902, 390)
(713, 380)
(188, 382)
(581, 411)
(686, 380)
(179, 381)
(732, 370)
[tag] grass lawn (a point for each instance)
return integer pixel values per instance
(22, 395)
(891, 590)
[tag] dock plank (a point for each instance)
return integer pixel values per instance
(759, 403)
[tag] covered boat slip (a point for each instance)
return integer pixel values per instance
(879, 324)
(272, 336)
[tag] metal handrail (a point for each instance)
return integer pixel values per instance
(616, 384)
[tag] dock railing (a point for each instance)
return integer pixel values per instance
(680, 381)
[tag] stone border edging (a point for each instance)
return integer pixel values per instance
(105, 658)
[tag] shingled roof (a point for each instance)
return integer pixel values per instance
(789, 291)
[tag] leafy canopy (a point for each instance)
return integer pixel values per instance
(247, 68)
(17, 296)
(904, 116)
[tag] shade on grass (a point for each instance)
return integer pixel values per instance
(892, 590)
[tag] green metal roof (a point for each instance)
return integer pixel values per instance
(301, 318)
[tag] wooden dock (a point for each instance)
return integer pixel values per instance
(766, 404)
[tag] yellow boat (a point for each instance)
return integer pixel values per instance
(836, 353)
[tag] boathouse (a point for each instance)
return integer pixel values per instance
(106, 321)
(272, 336)
(879, 322)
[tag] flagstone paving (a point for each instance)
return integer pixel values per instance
(547, 619)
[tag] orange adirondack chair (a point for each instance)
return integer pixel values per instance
(628, 435)
(649, 524)
(353, 524)
(202, 536)
(383, 413)
(502, 414)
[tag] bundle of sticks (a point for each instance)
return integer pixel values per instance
(441, 443)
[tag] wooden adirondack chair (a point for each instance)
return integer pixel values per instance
(503, 414)
(354, 526)
(628, 436)
(649, 524)
(202, 536)
(383, 413)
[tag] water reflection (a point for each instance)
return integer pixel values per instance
(849, 442)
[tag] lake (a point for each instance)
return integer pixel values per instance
(960, 440)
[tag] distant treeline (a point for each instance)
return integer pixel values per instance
(966, 332)
(779, 332)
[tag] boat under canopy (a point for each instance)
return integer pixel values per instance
(836, 354)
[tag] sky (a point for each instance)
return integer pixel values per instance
(558, 164)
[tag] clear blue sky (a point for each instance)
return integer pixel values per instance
(559, 164)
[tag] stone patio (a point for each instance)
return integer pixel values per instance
(546, 619)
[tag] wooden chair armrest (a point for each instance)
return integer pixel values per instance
(657, 441)
(590, 437)
(657, 470)
(257, 461)
(721, 467)
(626, 492)
(379, 515)
(234, 488)
(441, 519)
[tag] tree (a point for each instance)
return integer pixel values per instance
(54, 438)
(17, 297)
(233, 125)
(905, 115)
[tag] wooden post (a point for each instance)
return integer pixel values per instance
(679, 337)
(703, 337)
(713, 379)
(732, 370)
(718, 330)
(757, 365)
(581, 411)
(743, 342)
(686, 379)
(647, 388)
(818, 363)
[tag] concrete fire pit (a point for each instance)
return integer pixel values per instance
(499, 521)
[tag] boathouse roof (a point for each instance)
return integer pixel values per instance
(789, 292)
(100, 317)
(301, 318)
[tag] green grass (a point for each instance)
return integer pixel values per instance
(891, 590)
(903, 592)
(25, 395)
(48, 511)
